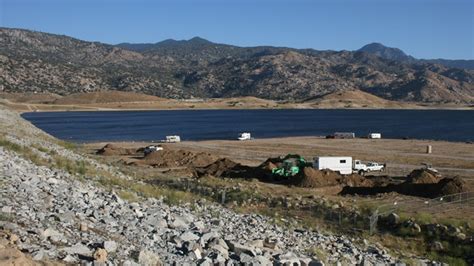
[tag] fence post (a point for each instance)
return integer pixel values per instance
(223, 197)
(373, 222)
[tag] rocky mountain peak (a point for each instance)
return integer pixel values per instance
(386, 52)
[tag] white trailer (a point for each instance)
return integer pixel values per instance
(173, 138)
(344, 135)
(244, 136)
(343, 165)
(374, 136)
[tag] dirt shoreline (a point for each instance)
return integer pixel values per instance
(56, 108)
(212, 104)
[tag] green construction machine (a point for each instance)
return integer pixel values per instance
(290, 166)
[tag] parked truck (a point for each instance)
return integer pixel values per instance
(152, 148)
(362, 168)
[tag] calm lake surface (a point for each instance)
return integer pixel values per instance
(452, 125)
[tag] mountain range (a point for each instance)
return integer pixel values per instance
(398, 55)
(41, 62)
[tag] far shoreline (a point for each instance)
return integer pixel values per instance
(126, 101)
(75, 108)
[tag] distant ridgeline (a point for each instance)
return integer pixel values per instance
(40, 62)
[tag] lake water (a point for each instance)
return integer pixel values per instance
(452, 125)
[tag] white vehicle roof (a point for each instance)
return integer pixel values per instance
(333, 157)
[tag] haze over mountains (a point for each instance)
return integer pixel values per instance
(41, 62)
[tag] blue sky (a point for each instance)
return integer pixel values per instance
(422, 28)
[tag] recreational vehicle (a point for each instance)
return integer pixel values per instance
(343, 165)
(173, 139)
(244, 136)
(374, 136)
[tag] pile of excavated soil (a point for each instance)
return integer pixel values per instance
(217, 168)
(114, 150)
(227, 168)
(444, 187)
(420, 183)
(177, 158)
(452, 186)
(423, 176)
(312, 178)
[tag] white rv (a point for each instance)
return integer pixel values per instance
(173, 138)
(374, 136)
(244, 136)
(343, 165)
(344, 135)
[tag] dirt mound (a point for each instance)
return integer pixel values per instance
(177, 158)
(444, 187)
(114, 150)
(452, 186)
(421, 185)
(218, 168)
(230, 169)
(312, 178)
(423, 176)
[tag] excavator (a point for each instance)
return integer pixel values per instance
(290, 166)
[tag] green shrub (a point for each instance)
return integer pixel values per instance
(67, 145)
(10, 145)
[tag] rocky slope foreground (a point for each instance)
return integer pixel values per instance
(40, 62)
(53, 215)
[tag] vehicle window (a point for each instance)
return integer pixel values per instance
(342, 161)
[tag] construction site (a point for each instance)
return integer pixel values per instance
(291, 166)
(413, 192)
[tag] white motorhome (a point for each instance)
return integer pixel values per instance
(344, 135)
(374, 136)
(343, 165)
(244, 136)
(173, 138)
